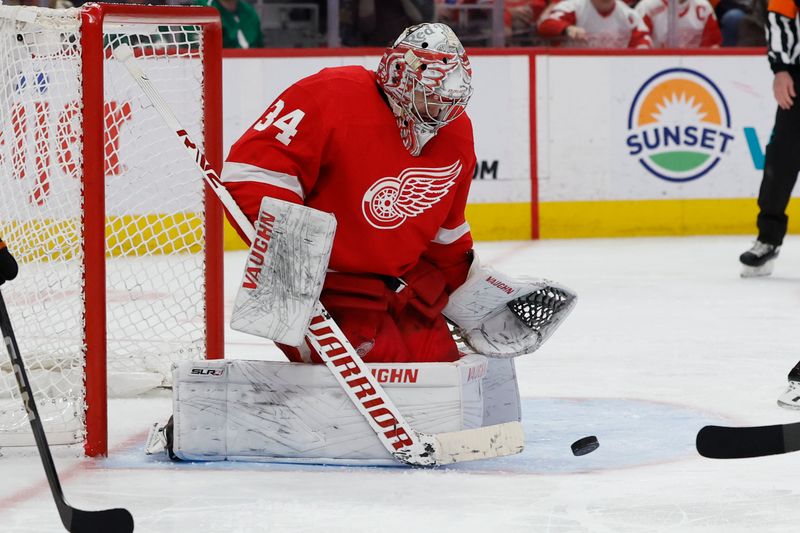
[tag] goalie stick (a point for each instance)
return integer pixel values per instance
(362, 388)
(721, 442)
(74, 520)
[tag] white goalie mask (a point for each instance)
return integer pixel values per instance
(427, 78)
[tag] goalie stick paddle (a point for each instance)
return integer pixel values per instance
(395, 434)
(75, 520)
(721, 442)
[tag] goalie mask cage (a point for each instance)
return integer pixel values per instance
(118, 240)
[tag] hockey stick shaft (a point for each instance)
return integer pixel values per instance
(333, 347)
(33, 412)
(74, 520)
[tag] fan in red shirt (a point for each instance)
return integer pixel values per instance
(595, 24)
(696, 23)
(391, 155)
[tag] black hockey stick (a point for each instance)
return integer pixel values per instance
(75, 520)
(720, 442)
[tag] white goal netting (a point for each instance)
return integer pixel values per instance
(154, 212)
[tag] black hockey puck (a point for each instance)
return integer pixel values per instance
(585, 445)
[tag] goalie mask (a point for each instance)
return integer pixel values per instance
(427, 78)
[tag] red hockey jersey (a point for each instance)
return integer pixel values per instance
(331, 142)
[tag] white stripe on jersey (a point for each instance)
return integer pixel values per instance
(449, 236)
(242, 172)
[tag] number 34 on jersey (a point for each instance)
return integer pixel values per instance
(287, 124)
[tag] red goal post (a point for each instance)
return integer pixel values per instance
(95, 191)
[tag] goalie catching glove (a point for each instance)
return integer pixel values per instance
(505, 316)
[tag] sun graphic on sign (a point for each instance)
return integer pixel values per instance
(679, 108)
(679, 125)
(683, 95)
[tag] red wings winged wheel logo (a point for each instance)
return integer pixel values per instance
(390, 201)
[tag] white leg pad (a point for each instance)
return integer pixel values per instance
(276, 411)
(501, 393)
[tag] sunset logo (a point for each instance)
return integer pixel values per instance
(679, 125)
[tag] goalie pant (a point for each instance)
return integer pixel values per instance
(386, 319)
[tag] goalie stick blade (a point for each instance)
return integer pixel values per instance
(719, 442)
(116, 520)
(487, 442)
(480, 443)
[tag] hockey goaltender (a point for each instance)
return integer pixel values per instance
(355, 182)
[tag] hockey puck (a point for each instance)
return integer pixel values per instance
(585, 445)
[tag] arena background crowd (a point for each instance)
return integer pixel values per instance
(495, 23)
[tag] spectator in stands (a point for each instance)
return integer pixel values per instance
(379, 22)
(696, 24)
(519, 17)
(53, 4)
(751, 29)
(730, 14)
(595, 24)
(472, 19)
(241, 27)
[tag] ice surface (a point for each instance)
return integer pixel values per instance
(665, 338)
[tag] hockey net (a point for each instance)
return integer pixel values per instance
(118, 243)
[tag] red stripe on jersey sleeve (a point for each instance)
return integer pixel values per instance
(555, 24)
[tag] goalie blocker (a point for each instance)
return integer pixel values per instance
(284, 271)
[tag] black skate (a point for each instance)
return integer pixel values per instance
(759, 260)
(790, 399)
